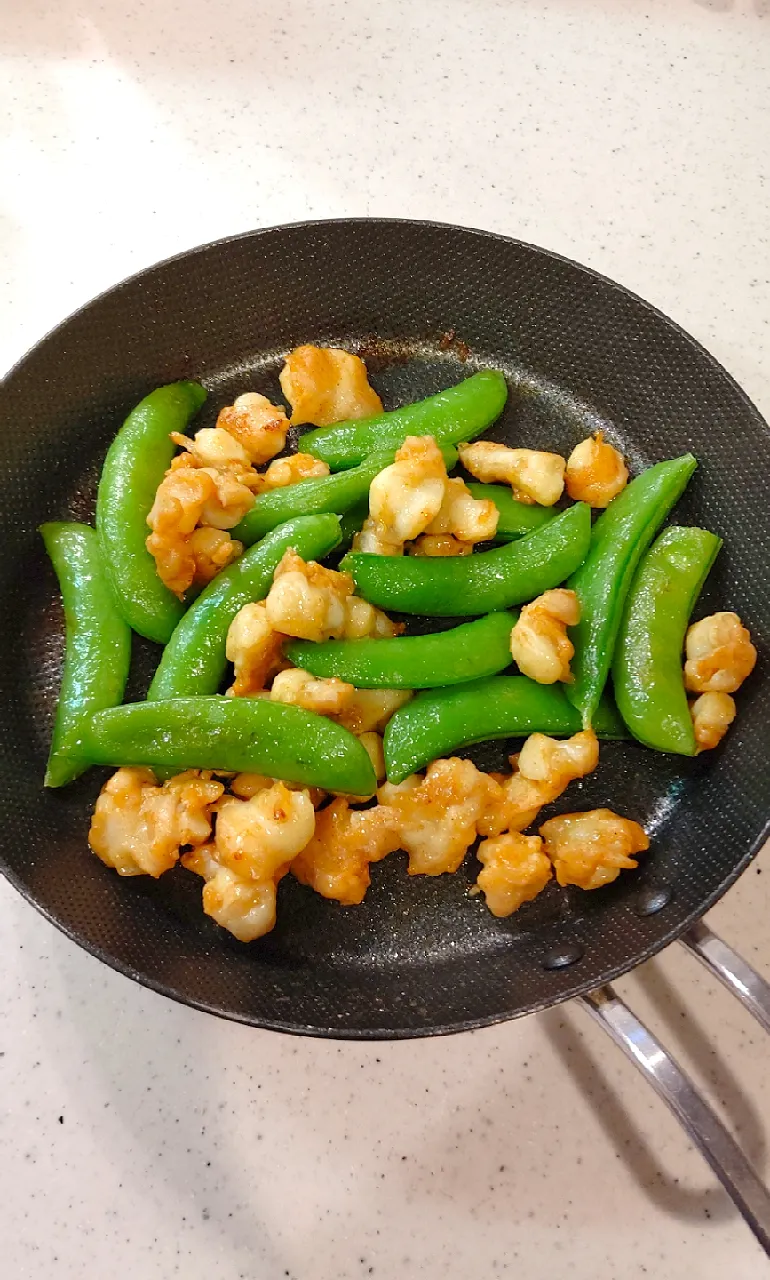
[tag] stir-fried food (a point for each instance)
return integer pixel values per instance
(514, 871)
(596, 472)
(591, 849)
(534, 476)
(720, 654)
(308, 773)
(540, 646)
(325, 385)
(139, 828)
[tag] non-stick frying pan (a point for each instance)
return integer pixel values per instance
(425, 304)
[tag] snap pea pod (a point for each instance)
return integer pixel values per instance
(451, 416)
(481, 583)
(98, 643)
(516, 518)
(249, 735)
(134, 467)
(647, 670)
(315, 496)
(463, 653)
(351, 523)
(440, 721)
(619, 539)
(194, 660)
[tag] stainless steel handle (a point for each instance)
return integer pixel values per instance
(704, 1127)
(725, 964)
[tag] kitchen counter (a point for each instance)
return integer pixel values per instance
(142, 1139)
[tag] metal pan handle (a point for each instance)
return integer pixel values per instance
(725, 964)
(738, 1177)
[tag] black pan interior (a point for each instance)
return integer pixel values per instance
(426, 304)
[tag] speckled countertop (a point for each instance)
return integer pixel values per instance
(140, 1139)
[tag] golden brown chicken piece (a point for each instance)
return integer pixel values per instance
(439, 544)
(372, 539)
(308, 601)
(406, 497)
(591, 849)
(544, 769)
(314, 603)
(467, 518)
(139, 827)
(294, 469)
(211, 550)
(215, 448)
(254, 844)
(245, 907)
(712, 714)
(258, 425)
(324, 385)
(720, 654)
(596, 472)
(540, 646)
(437, 815)
(515, 870)
(254, 648)
(534, 476)
(336, 861)
(186, 497)
(370, 709)
(256, 837)
(326, 697)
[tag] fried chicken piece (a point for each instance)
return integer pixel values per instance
(406, 497)
(515, 870)
(324, 385)
(544, 769)
(255, 648)
(540, 646)
(139, 827)
(712, 714)
(314, 603)
(437, 815)
(720, 654)
(373, 540)
(336, 861)
(308, 601)
(591, 849)
(596, 472)
(258, 425)
(440, 544)
(294, 469)
(534, 476)
(466, 518)
(371, 709)
(245, 907)
(326, 697)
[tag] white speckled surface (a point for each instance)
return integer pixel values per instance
(143, 1140)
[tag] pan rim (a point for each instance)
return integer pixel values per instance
(386, 1033)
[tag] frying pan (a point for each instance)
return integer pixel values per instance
(425, 304)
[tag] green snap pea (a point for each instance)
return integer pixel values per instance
(351, 523)
(98, 643)
(194, 660)
(135, 464)
(322, 494)
(647, 671)
(451, 416)
(485, 582)
(440, 721)
(516, 518)
(241, 735)
(619, 539)
(463, 653)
